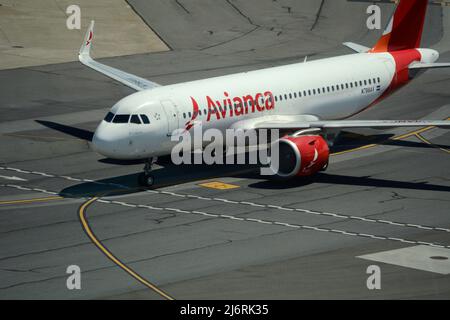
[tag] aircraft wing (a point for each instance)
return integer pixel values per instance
(132, 81)
(298, 122)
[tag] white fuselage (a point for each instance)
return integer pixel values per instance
(328, 89)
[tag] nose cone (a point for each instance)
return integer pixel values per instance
(101, 141)
(110, 141)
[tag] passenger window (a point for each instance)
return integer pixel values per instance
(109, 117)
(299, 94)
(309, 92)
(145, 119)
(200, 112)
(295, 94)
(370, 81)
(276, 98)
(379, 80)
(135, 119)
(184, 115)
(290, 95)
(281, 98)
(365, 82)
(285, 97)
(121, 118)
(360, 83)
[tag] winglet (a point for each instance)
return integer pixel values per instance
(87, 44)
(128, 79)
(356, 47)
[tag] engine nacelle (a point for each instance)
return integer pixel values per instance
(302, 156)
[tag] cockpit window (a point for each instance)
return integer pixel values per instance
(145, 119)
(121, 118)
(135, 119)
(109, 117)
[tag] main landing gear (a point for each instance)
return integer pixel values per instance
(146, 178)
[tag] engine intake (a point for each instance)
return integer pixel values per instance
(302, 156)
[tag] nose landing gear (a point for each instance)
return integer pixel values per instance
(146, 178)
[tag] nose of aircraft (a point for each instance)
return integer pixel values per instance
(100, 141)
(110, 142)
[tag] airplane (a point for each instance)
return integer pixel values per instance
(310, 100)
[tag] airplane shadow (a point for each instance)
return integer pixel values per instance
(170, 174)
(350, 141)
(175, 175)
(164, 177)
(335, 179)
(69, 130)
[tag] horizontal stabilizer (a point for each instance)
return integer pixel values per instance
(420, 65)
(356, 47)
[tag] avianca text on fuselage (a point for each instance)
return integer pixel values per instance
(235, 106)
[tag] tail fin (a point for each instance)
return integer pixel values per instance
(405, 28)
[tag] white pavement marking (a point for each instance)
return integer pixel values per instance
(247, 203)
(14, 178)
(422, 257)
(253, 220)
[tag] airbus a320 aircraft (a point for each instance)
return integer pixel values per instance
(309, 99)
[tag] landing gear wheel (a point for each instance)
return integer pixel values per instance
(146, 180)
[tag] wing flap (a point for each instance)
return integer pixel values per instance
(130, 80)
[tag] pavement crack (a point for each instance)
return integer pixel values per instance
(235, 7)
(182, 6)
(319, 12)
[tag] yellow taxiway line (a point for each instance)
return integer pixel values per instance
(400, 137)
(421, 138)
(110, 255)
(31, 200)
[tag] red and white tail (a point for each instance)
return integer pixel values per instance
(405, 28)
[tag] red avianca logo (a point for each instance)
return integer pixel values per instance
(230, 107)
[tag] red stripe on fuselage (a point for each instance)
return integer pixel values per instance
(402, 60)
